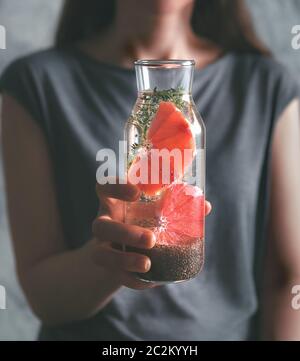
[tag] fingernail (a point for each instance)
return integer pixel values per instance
(147, 265)
(147, 239)
(141, 264)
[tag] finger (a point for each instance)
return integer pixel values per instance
(105, 229)
(121, 261)
(208, 208)
(112, 208)
(126, 192)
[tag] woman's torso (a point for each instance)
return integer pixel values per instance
(82, 106)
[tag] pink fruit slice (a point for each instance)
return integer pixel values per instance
(181, 215)
(169, 130)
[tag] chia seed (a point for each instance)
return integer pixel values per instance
(172, 263)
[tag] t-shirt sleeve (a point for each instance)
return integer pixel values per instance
(21, 81)
(287, 88)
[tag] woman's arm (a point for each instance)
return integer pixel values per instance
(60, 285)
(281, 321)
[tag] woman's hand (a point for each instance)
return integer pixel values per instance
(108, 229)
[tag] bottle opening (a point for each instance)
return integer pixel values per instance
(172, 63)
(164, 75)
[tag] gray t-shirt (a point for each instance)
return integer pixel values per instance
(82, 105)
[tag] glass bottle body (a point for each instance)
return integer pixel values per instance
(165, 147)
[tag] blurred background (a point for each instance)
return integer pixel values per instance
(30, 26)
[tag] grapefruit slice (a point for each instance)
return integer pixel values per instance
(181, 215)
(170, 131)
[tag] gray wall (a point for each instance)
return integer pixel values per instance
(274, 20)
(30, 25)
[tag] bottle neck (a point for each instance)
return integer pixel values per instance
(160, 76)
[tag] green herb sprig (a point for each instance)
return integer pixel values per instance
(147, 109)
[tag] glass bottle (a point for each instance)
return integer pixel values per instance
(165, 147)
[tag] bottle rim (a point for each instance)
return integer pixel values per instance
(171, 63)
